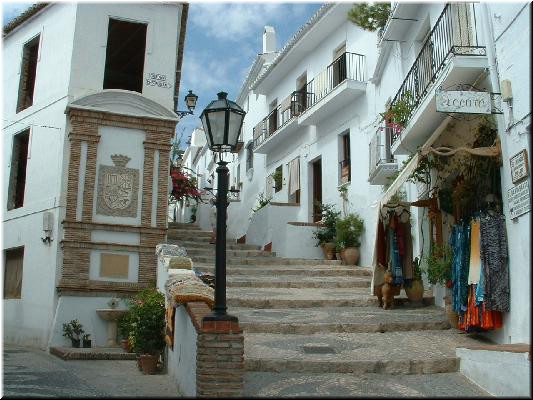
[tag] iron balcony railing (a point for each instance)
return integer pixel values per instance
(454, 33)
(346, 66)
(380, 148)
(289, 108)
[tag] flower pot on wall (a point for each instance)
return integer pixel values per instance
(350, 255)
(329, 250)
(148, 364)
(416, 292)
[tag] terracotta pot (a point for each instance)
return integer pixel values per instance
(125, 345)
(350, 255)
(329, 250)
(416, 292)
(149, 364)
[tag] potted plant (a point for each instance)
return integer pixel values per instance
(398, 114)
(73, 330)
(148, 327)
(87, 341)
(349, 230)
(415, 293)
(124, 331)
(326, 233)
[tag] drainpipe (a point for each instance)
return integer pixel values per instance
(180, 49)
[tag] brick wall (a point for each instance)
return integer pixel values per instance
(220, 355)
(76, 243)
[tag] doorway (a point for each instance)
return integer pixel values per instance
(317, 189)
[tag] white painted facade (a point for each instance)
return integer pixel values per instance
(355, 106)
(70, 67)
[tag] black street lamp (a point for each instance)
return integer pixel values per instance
(190, 102)
(222, 121)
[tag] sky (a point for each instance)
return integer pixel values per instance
(221, 43)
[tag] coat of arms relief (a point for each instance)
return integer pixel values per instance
(118, 188)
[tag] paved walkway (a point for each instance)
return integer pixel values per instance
(35, 373)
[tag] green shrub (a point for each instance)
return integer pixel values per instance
(327, 232)
(349, 231)
(147, 322)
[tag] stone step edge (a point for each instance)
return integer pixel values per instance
(355, 327)
(292, 303)
(71, 354)
(392, 367)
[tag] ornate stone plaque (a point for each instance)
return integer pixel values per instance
(118, 188)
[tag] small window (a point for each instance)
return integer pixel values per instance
(124, 63)
(249, 156)
(17, 177)
(278, 178)
(28, 72)
(13, 260)
(345, 166)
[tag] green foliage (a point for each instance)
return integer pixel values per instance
(73, 329)
(439, 265)
(147, 322)
(262, 200)
(349, 230)
(343, 191)
(327, 232)
(370, 17)
(417, 271)
(398, 114)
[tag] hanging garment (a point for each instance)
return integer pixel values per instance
(459, 241)
(475, 260)
(396, 262)
(381, 245)
(480, 287)
(407, 270)
(494, 258)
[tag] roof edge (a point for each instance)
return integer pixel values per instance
(22, 18)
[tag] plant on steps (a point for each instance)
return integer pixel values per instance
(73, 330)
(349, 230)
(439, 265)
(326, 233)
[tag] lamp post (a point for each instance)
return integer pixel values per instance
(222, 121)
(190, 102)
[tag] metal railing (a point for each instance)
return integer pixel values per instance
(346, 66)
(380, 148)
(454, 33)
(290, 107)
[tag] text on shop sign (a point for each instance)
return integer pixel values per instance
(464, 102)
(519, 199)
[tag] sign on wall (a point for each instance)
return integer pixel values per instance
(464, 102)
(519, 166)
(519, 199)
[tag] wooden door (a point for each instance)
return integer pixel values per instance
(317, 190)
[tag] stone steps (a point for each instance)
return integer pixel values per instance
(340, 319)
(295, 281)
(230, 253)
(279, 270)
(206, 245)
(398, 353)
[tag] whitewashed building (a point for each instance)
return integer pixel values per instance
(89, 97)
(314, 115)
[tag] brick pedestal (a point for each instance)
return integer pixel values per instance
(220, 355)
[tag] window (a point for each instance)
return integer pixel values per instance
(249, 156)
(124, 63)
(28, 71)
(13, 260)
(278, 178)
(17, 177)
(345, 168)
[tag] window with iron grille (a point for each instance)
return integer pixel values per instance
(28, 72)
(124, 63)
(17, 175)
(345, 165)
(13, 261)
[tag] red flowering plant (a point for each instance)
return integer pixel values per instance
(184, 185)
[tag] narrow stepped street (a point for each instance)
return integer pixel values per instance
(311, 328)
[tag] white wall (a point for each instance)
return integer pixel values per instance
(182, 358)
(91, 40)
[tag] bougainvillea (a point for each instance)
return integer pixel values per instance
(184, 185)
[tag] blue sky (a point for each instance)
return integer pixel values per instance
(222, 41)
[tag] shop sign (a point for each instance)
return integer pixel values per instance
(519, 200)
(519, 166)
(463, 102)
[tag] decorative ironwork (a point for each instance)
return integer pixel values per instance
(454, 33)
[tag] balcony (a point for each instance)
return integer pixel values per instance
(382, 164)
(338, 85)
(450, 56)
(282, 119)
(399, 22)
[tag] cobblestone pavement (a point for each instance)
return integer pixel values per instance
(452, 385)
(35, 373)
